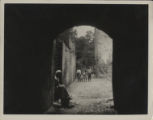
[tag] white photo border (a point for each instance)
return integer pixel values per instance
(79, 117)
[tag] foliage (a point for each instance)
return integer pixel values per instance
(85, 50)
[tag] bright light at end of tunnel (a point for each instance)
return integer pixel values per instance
(82, 30)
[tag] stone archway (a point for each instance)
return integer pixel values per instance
(65, 58)
(29, 35)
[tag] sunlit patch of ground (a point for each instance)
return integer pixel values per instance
(93, 97)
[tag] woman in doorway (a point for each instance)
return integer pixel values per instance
(60, 91)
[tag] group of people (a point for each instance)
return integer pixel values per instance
(85, 75)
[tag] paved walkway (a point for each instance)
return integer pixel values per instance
(93, 97)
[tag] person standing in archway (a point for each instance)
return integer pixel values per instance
(78, 75)
(89, 74)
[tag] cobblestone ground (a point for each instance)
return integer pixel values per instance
(93, 97)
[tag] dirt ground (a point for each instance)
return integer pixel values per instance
(93, 97)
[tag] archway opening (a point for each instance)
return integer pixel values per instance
(83, 54)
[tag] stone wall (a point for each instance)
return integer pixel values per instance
(69, 61)
(103, 52)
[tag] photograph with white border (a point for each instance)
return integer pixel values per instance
(76, 60)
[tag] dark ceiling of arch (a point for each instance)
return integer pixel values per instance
(54, 19)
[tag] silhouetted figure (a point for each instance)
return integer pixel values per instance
(60, 91)
(86, 75)
(83, 76)
(78, 74)
(89, 74)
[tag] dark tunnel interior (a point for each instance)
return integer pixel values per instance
(30, 30)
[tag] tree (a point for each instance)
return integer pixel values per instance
(85, 50)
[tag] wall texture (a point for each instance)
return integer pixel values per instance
(69, 61)
(103, 52)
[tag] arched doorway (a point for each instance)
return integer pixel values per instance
(29, 39)
(90, 50)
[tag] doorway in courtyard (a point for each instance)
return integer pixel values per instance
(82, 70)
